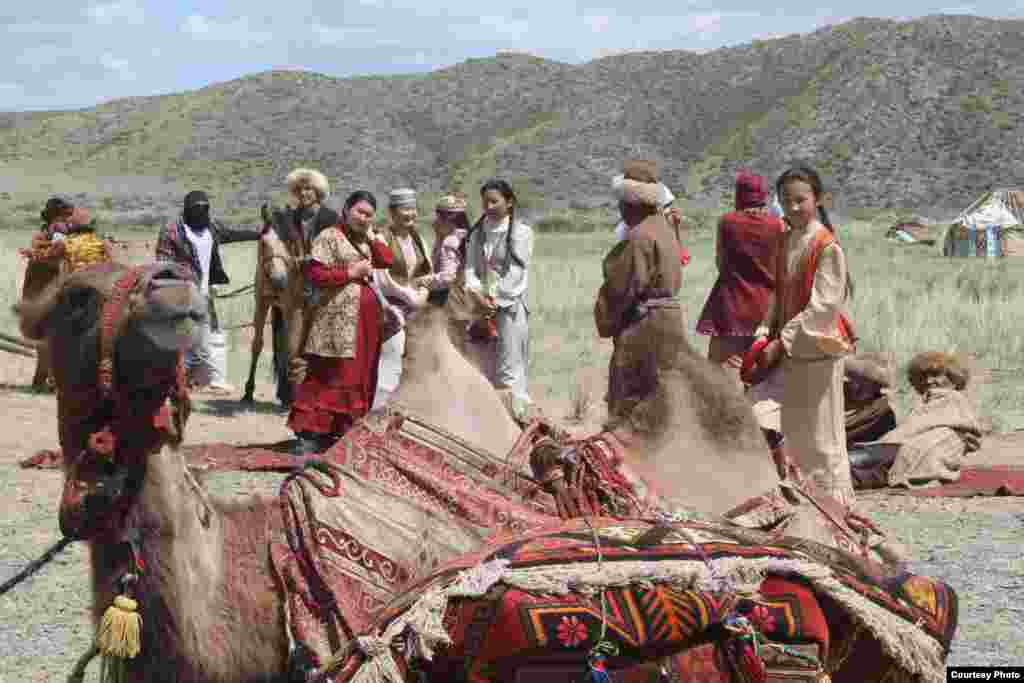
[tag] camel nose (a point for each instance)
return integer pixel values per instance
(279, 281)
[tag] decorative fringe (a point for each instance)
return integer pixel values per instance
(908, 644)
(423, 622)
(119, 636)
(914, 650)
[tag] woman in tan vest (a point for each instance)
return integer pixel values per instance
(397, 284)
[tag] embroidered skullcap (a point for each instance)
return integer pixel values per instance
(638, 183)
(751, 190)
(453, 202)
(308, 176)
(401, 198)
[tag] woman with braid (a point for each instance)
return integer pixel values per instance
(807, 334)
(498, 251)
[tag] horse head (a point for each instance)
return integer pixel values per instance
(115, 336)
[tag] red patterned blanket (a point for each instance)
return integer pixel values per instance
(648, 589)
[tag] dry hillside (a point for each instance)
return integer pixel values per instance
(915, 114)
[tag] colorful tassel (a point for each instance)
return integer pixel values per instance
(597, 671)
(119, 636)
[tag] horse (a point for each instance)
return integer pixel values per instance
(278, 291)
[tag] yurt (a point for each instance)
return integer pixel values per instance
(991, 227)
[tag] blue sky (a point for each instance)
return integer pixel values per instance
(62, 54)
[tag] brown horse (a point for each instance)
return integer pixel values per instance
(278, 290)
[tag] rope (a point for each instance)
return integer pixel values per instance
(36, 565)
(236, 292)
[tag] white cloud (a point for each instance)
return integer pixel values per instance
(121, 12)
(341, 36)
(35, 28)
(598, 23)
(237, 31)
(121, 67)
(705, 25)
(509, 28)
(38, 56)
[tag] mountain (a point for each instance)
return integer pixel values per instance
(913, 115)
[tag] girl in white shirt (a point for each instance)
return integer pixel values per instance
(498, 254)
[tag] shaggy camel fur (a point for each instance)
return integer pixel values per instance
(696, 439)
(211, 609)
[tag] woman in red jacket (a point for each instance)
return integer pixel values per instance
(745, 254)
(344, 334)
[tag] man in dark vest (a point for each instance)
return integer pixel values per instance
(194, 241)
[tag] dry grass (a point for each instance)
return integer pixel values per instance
(907, 299)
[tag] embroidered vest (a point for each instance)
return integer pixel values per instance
(794, 299)
(335, 317)
(400, 269)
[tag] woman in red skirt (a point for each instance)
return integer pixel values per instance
(344, 334)
(745, 253)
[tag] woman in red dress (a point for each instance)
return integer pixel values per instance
(344, 335)
(745, 254)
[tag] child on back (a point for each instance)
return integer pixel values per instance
(806, 332)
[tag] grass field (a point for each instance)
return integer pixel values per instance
(907, 300)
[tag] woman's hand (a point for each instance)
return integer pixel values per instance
(360, 269)
(771, 354)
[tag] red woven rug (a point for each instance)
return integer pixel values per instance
(990, 480)
(209, 457)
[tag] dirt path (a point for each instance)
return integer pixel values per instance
(974, 544)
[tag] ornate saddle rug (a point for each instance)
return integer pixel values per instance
(647, 589)
(383, 507)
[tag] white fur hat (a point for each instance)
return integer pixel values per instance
(634, 192)
(637, 184)
(316, 180)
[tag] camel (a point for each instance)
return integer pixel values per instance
(213, 608)
(696, 439)
(278, 290)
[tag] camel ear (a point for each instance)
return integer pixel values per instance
(35, 314)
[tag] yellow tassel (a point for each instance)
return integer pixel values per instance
(120, 631)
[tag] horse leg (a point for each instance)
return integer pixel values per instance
(280, 326)
(258, 322)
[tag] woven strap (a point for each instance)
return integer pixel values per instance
(114, 313)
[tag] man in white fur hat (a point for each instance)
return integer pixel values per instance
(306, 214)
(637, 305)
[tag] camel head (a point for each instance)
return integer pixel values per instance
(140, 320)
